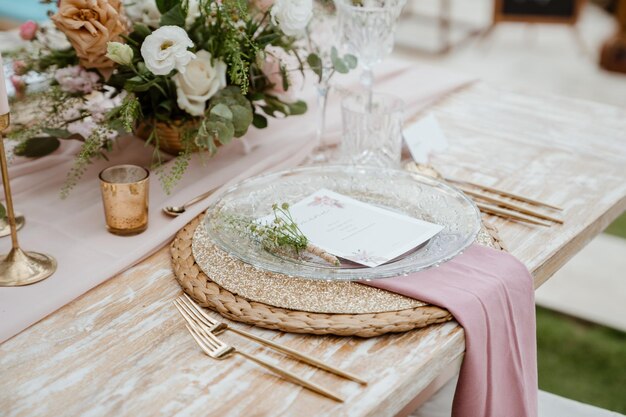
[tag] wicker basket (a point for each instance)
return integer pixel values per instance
(168, 135)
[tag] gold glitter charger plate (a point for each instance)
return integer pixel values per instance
(235, 307)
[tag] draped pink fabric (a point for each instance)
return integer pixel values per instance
(491, 294)
(73, 230)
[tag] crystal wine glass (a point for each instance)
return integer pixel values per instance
(367, 30)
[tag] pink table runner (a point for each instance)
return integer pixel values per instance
(491, 294)
(73, 230)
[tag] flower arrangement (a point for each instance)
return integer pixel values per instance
(210, 68)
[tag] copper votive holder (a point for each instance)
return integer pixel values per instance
(125, 198)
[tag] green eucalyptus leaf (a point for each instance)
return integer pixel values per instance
(338, 63)
(297, 108)
(285, 77)
(315, 62)
(141, 67)
(135, 80)
(166, 5)
(270, 111)
(223, 131)
(174, 17)
(140, 31)
(3, 211)
(275, 105)
(57, 133)
(223, 111)
(37, 147)
(206, 138)
(259, 121)
(234, 93)
(242, 118)
(166, 106)
(256, 96)
(350, 61)
(134, 86)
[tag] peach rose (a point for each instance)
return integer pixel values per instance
(89, 25)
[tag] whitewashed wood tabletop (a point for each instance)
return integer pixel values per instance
(122, 349)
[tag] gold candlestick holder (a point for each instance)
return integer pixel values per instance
(5, 227)
(19, 267)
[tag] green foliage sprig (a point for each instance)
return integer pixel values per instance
(281, 235)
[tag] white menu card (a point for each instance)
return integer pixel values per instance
(357, 231)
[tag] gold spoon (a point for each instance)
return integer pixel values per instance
(175, 211)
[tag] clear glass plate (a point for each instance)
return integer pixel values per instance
(405, 192)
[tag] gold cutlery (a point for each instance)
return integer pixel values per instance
(508, 205)
(175, 211)
(216, 349)
(508, 214)
(215, 326)
(508, 210)
(505, 194)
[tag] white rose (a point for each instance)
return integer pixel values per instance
(199, 83)
(143, 11)
(166, 49)
(292, 16)
(119, 53)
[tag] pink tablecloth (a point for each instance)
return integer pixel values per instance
(73, 230)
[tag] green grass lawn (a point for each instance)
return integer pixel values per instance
(618, 227)
(583, 361)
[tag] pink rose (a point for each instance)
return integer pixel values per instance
(276, 57)
(263, 5)
(19, 67)
(19, 85)
(28, 30)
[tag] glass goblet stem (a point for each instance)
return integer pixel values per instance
(367, 80)
(322, 99)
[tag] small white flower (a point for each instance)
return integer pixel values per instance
(84, 127)
(143, 11)
(193, 12)
(51, 37)
(292, 16)
(165, 49)
(119, 53)
(204, 77)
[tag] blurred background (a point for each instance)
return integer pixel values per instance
(573, 48)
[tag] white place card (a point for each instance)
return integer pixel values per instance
(357, 231)
(425, 137)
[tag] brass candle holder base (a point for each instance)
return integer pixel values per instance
(23, 268)
(5, 227)
(18, 267)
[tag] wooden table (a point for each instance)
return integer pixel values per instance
(122, 349)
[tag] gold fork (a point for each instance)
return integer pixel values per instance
(215, 326)
(216, 349)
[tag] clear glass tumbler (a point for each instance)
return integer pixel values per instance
(372, 131)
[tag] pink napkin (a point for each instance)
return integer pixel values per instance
(73, 230)
(491, 294)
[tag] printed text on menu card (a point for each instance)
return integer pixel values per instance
(357, 231)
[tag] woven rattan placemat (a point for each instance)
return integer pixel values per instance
(232, 306)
